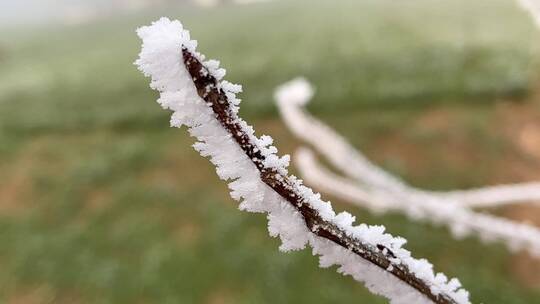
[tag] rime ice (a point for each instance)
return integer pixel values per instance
(370, 186)
(161, 59)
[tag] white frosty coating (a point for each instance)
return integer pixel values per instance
(161, 59)
(326, 140)
(295, 93)
(494, 195)
(533, 7)
(461, 221)
(380, 191)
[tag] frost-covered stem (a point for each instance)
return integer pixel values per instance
(207, 88)
(494, 195)
(371, 187)
(199, 99)
(292, 96)
(461, 221)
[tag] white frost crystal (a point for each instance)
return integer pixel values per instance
(161, 59)
(372, 187)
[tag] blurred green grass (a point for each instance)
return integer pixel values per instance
(100, 202)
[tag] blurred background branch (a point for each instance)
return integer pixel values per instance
(380, 191)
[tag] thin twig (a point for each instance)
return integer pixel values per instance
(207, 88)
(461, 221)
(372, 187)
(291, 96)
(194, 90)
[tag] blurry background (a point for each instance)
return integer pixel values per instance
(101, 202)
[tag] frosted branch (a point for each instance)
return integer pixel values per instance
(371, 187)
(192, 88)
(292, 96)
(494, 195)
(461, 221)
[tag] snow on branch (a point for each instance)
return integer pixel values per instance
(494, 195)
(461, 221)
(194, 90)
(371, 187)
(291, 97)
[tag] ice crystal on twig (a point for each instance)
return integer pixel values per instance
(194, 90)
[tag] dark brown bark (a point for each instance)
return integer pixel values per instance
(207, 88)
